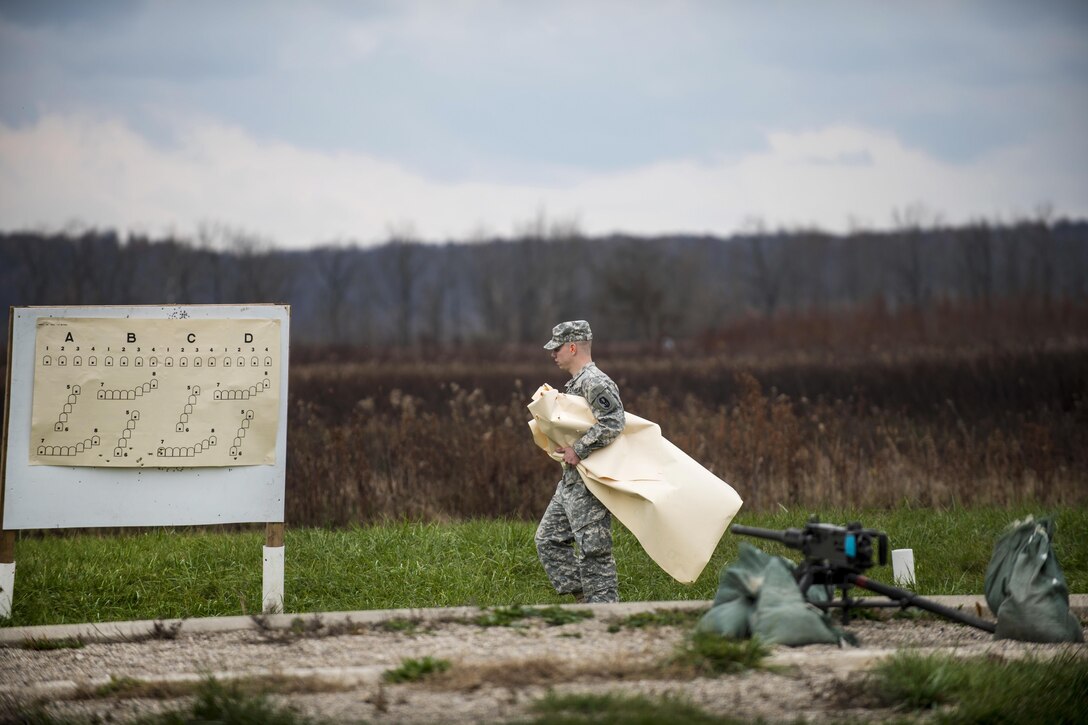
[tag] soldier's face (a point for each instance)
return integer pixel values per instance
(563, 355)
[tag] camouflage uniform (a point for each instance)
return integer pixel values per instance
(575, 515)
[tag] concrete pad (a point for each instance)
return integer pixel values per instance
(157, 629)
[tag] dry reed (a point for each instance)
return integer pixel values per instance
(435, 441)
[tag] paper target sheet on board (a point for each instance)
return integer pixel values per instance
(143, 392)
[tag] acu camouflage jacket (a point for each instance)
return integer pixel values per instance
(604, 399)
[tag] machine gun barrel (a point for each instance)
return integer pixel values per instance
(793, 538)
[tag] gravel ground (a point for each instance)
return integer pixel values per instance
(336, 669)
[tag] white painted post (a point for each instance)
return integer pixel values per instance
(7, 586)
(903, 567)
(272, 581)
(7, 561)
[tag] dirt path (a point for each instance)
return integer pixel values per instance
(331, 667)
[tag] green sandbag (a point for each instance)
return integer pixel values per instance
(729, 619)
(743, 578)
(738, 586)
(782, 616)
(1025, 586)
(757, 595)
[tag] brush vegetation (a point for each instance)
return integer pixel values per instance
(991, 689)
(436, 441)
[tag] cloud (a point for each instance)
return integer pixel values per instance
(466, 87)
(98, 171)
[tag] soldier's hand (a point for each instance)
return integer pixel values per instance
(569, 456)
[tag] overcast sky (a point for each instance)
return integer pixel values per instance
(319, 121)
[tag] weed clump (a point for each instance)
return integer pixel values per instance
(414, 670)
(553, 616)
(658, 618)
(401, 625)
(711, 654)
(984, 689)
(42, 645)
(620, 709)
(216, 702)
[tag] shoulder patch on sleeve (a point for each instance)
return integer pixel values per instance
(604, 400)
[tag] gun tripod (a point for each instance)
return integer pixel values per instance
(809, 575)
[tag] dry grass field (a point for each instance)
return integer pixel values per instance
(861, 408)
(972, 412)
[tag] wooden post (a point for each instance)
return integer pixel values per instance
(7, 547)
(273, 534)
(272, 581)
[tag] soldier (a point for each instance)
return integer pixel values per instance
(575, 515)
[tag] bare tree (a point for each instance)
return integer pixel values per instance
(261, 272)
(402, 263)
(768, 267)
(335, 268)
(433, 303)
(856, 265)
(212, 242)
(99, 270)
(177, 278)
(36, 257)
(635, 289)
(495, 287)
(1041, 240)
(910, 273)
(548, 254)
(804, 276)
(975, 261)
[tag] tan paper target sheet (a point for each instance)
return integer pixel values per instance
(677, 509)
(139, 392)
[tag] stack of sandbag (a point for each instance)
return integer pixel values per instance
(1025, 586)
(758, 597)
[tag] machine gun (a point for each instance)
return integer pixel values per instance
(836, 557)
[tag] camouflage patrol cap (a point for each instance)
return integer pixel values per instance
(571, 331)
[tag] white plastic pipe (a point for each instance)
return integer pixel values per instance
(7, 586)
(273, 579)
(903, 567)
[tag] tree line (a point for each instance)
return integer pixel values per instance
(409, 293)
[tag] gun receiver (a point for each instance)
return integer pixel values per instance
(836, 556)
(828, 545)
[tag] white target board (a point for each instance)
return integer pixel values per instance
(146, 416)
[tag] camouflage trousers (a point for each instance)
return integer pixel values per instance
(575, 516)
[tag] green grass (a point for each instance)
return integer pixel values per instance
(619, 709)
(213, 702)
(711, 654)
(510, 616)
(658, 618)
(985, 689)
(228, 703)
(414, 670)
(166, 574)
(42, 645)
(402, 625)
(117, 685)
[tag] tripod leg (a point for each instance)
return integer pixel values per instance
(847, 602)
(910, 599)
